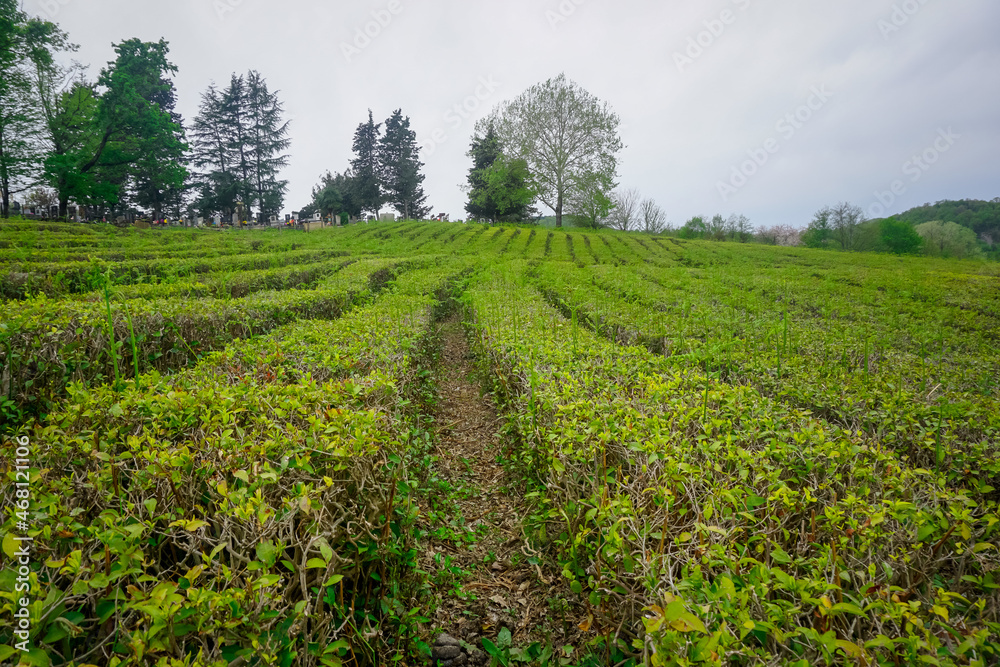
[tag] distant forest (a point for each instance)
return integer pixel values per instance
(982, 217)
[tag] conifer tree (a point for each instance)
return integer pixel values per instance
(367, 167)
(400, 168)
(240, 139)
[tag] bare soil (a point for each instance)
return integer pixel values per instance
(477, 555)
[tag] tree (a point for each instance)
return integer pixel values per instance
(820, 231)
(845, 219)
(651, 217)
(499, 187)
(949, 239)
(121, 134)
(592, 203)
(568, 138)
(739, 227)
(327, 199)
(22, 139)
(509, 189)
(625, 209)
(267, 135)
(365, 165)
(212, 154)
(899, 237)
(694, 228)
(484, 150)
(399, 168)
(784, 235)
(239, 139)
(717, 228)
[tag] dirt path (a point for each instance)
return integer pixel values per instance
(475, 554)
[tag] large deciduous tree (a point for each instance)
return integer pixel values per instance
(898, 237)
(845, 219)
(119, 139)
(399, 163)
(22, 136)
(568, 138)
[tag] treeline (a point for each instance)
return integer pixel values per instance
(935, 231)
(117, 145)
(962, 230)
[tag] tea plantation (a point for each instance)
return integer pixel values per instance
(231, 449)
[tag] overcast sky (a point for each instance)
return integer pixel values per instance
(770, 108)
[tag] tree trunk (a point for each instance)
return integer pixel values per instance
(559, 208)
(5, 188)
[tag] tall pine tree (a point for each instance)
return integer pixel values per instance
(240, 139)
(366, 167)
(268, 140)
(400, 168)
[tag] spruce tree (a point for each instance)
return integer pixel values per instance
(400, 168)
(268, 139)
(366, 167)
(239, 141)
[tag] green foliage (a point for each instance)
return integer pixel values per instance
(399, 166)
(568, 138)
(366, 168)
(328, 197)
(653, 476)
(982, 217)
(729, 453)
(499, 186)
(949, 239)
(899, 238)
(819, 233)
(239, 143)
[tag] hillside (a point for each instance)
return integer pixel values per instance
(554, 446)
(982, 217)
